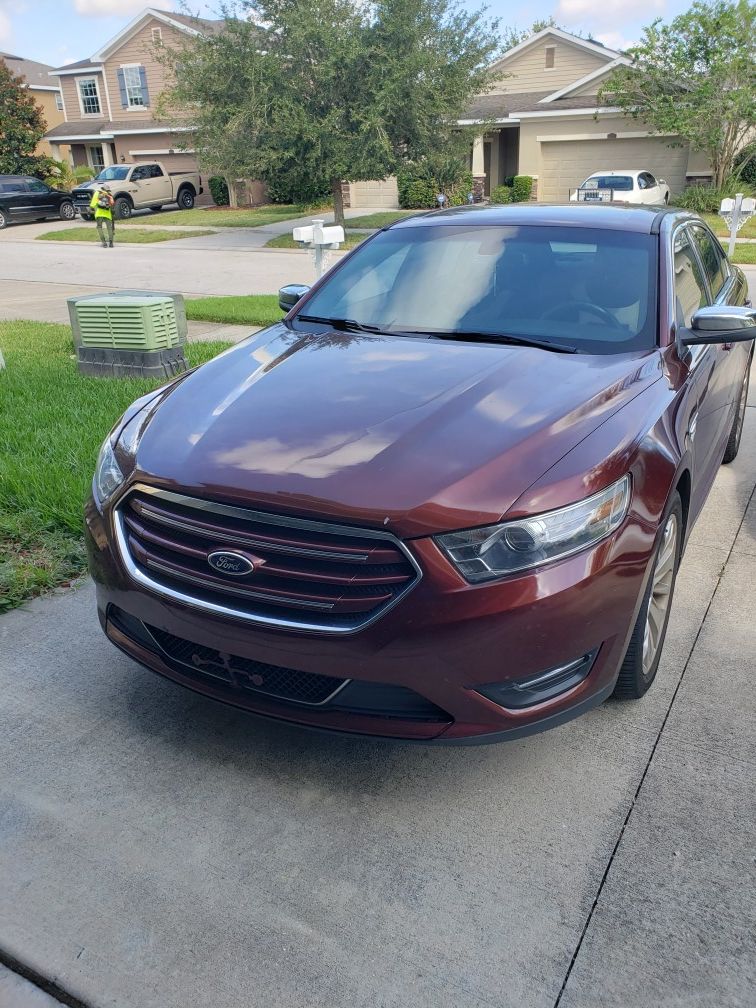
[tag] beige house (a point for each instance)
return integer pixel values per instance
(109, 100)
(46, 93)
(546, 122)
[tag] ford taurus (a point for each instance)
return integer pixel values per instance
(445, 498)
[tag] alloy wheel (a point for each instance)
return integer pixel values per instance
(67, 211)
(662, 582)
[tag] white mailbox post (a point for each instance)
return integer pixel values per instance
(319, 237)
(736, 212)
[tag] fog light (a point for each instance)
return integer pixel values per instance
(544, 686)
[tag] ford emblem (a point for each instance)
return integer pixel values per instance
(232, 564)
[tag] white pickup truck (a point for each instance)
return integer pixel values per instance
(146, 185)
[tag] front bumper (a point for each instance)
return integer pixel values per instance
(442, 642)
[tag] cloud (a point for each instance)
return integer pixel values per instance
(108, 8)
(8, 7)
(615, 40)
(606, 14)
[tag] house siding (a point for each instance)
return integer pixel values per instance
(140, 49)
(156, 144)
(53, 116)
(529, 73)
(70, 90)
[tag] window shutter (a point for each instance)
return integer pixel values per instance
(122, 89)
(143, 82)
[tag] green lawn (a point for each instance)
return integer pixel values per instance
(52, 423)
(745, 253)
(351, 238)
(127, 236)
(243, 309)
(223, 216)
(719, 227)
(380, 219)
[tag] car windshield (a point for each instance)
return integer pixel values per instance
(589, 288)
(115, 173)
(620, 183)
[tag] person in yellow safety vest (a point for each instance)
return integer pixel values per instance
(102, 203)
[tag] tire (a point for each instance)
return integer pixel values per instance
(67, 211)
(3, 219)
(86, 216)
(733, 442)
(185, 199)
(122, 209)
(639, 668)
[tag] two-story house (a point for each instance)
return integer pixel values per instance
(46, 93)
(109, 100)
(548, 122)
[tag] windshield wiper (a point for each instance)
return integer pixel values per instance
(342, 324)
(490, 337)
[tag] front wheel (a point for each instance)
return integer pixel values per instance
(186, 199)
(122, 208)
(733, 443)
(67, 211)
(644, 651)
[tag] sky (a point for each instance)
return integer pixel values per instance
(61, 31)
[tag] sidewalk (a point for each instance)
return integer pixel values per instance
(158, 850)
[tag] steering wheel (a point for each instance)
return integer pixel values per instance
(578, 306)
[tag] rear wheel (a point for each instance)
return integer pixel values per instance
(733, 443)
(3, 219)
(122, 208)
(644, 651)
(67, 211)
(185, 199)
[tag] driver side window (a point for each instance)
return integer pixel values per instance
(690, 286)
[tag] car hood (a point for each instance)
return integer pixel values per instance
(415, 435)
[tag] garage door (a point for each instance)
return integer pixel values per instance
(377, 193)
(566, 163)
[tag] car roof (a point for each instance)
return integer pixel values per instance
(640, 218)
(619, 171)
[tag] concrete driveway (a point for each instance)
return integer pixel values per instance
(160, 851)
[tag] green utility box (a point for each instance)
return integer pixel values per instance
(129, 334)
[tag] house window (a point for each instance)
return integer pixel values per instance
(132, 80)
(157, 36)
(550, 57)
(89, 96)
(58, 101)
(96, 157)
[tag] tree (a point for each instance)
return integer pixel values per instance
(514, 36)
(695, 77)
(22, 125)
(331, 91)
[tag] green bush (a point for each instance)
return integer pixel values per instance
(418, 194)
(420, 182)
(57, 174)
(745, 164)
(218, 190)
(522, 187)
(706, 199)
(83, 174)
(501, 194)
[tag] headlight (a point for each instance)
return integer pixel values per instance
(108, 476)
(121, 444)
(497, 550)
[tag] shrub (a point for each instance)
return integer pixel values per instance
(501, 194)
(83, 174)
(745, 164)
(706, 199)
(522, 187)
(218, 190)
(418, 194)
(420, 182)
(57, 174)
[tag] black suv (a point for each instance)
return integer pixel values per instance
(24, 198)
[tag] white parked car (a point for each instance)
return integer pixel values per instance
(622, 185)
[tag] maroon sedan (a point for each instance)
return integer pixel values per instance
(447, 496)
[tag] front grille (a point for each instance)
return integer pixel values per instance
(306, 575)
(245, 674)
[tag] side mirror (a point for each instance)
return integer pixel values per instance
(290, 295)
(720, 324)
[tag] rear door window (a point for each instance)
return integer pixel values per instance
(690, 285)
(712, 257)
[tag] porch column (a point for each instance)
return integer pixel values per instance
(107, 153)
(478, 168)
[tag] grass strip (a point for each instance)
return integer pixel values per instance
(52, 423)
(243, 309)
(123, 236)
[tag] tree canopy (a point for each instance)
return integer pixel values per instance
(695, 78)
(22, 125)
(329, 90)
